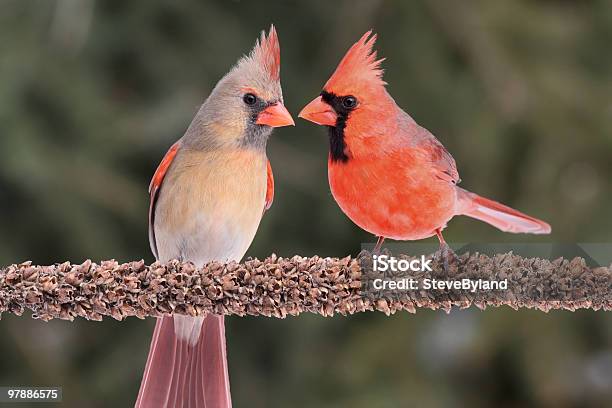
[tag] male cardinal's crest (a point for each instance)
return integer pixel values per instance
(358, 68)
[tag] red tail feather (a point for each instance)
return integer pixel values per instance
(180, 374)
(500, 216)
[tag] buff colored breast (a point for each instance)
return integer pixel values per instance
(395, 196)
(210, 205)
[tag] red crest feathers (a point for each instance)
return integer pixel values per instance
(359, 64)
(267, 53)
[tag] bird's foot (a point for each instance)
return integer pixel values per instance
(378, 247)
(449, 258)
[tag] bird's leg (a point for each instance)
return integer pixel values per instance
(447, 254)
(379, 244)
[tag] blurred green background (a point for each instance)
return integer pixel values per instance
(92, 93)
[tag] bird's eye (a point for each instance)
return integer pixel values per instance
(249, 99)
(349, 102)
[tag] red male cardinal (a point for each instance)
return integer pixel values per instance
(389, 175)
(207, 198)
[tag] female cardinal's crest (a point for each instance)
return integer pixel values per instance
(267, 53)
(358, 65)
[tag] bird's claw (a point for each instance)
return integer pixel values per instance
(448, 257)
(378, 247)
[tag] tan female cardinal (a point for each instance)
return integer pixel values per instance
(207, 198)
(389, 175)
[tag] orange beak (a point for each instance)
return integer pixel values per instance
(319, 112)
(275, 116)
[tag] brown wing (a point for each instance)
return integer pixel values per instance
(154, 187)
(270, 188)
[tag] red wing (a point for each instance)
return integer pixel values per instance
(270, 188)
(156, 182)
(444, 163)
(441, 159)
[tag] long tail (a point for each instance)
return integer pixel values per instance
(500, 216)
(187, 365)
